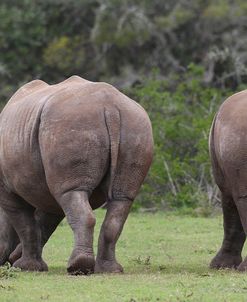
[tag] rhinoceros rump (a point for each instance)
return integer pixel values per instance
(66, 149)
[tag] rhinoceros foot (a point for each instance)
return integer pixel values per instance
(106, 266)
(81, 264)
(225, 260)
(27, 264)
(16, 254)
(243, 266)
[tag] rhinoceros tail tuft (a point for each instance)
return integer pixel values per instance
(113, 123)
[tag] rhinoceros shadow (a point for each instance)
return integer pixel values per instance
(188, 268)
(167, 269)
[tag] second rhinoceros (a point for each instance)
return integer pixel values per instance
(228, 149)
(66, 149)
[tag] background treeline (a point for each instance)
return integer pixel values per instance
(178, 58)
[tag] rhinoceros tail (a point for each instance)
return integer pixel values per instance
(211, 139)
(217, 171)
(212, 146)
(113, 122)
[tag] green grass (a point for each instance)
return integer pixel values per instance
(165, 259)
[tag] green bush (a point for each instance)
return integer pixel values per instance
(181, 110)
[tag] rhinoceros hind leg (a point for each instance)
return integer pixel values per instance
(80, 217)
(229, 255)
(242, 209)
(48, 223)
(8, 238)
(21, 217)
(116, 215)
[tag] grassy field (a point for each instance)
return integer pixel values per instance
(165, 259)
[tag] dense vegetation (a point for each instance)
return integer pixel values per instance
(181, 112)
(178, 58)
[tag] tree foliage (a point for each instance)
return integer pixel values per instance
(111, 39)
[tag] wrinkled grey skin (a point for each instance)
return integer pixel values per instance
(66, 149)
(228, 148)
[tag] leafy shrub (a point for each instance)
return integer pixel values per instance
(7, 271)
(181, 110)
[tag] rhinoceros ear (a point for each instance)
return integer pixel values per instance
(8, 238)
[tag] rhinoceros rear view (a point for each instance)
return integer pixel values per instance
(228, 148)
(66, 149)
